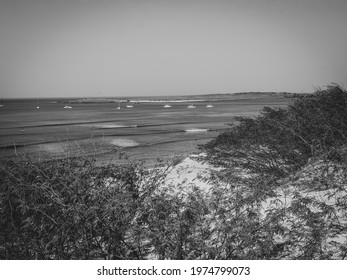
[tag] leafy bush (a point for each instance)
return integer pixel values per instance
(282, 140)
(67, 209)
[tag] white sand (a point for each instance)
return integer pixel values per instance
(109, 125)
(196, 130)
(190, 172)
(123, 142)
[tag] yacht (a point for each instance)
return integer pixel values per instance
(167, 106)
(191, 106)
(67, 107)
(130, 106)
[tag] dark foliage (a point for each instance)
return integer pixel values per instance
(64, 210)
(281, 140)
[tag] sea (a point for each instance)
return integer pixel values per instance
(114, 130)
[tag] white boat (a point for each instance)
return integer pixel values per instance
(209, 105)
(130, 106)
(67, 107)
(191, 106)
(167, 106)
(38, 105)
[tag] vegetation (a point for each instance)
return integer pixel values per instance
(286, 169)
(278, 190)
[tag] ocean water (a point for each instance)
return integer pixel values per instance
(146, 131)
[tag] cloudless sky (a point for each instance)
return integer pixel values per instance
(82, 48)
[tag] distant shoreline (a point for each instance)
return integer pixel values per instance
(168, 98)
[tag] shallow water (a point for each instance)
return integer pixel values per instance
(147, 131)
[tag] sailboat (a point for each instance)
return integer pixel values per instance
(38, 105)
(2, 103)
(118, 106)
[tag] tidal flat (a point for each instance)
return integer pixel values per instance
(146, 131)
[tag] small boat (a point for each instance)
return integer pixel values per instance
(130, 106)
(67, 107)
(191, 106)
(167, 106)
(209, 105)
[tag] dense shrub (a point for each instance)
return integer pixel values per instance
(282, 140)
(67, 209)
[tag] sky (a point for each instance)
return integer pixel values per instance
(111, 48)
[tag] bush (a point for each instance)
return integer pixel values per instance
(67, 209)
(282, 140)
